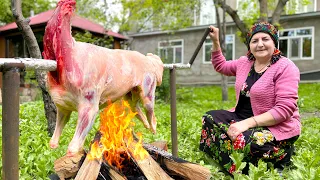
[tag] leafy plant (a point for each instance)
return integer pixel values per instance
(88, 38)
(36, 159)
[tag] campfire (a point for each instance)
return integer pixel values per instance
(116, 153)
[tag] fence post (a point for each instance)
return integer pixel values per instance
(173, 108)
(10, 120)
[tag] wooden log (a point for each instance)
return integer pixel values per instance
(67, 167)
(110, 172)
(89, 170)
(149, 167)
(160, 145)
(176, 166)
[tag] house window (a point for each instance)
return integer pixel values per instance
(207, 13)
(171, 51)
(297, 43)
(298, 6)
(229, 48)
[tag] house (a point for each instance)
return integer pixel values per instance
(13, 45)
(299, 41)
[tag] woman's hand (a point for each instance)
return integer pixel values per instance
(214, 34)
(237, 128)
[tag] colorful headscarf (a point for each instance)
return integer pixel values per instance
(266, 28)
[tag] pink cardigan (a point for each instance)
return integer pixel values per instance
(276, 91)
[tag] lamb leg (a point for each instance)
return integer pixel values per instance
(133, 97)
(86, 116)
(63, 117)
(147, 96)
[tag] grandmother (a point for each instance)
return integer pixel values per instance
(265, 122)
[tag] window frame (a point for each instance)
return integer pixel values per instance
(175, 46)
(288, 38)
(210, 43)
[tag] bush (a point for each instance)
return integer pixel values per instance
(163, 91)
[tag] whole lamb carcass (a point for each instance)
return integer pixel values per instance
(88, 77)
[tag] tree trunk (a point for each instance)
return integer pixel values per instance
(68, 167)
(277, 12)
(222, 37)
(263, 10)
(234, 15)
(34, 51)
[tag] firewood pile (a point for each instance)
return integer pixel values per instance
(117, 154)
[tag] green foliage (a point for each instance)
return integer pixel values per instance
(249, 11)
(88, 38)
(148, 14)
(307, 159)
(92, 10)
(30, 78)
(89, 9)
(308, 97)
(5, 12)
(36, 159)
(27, 5)
(163, 91)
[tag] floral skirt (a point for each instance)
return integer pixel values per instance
(256, 143)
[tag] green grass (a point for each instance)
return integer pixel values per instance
(36, 158)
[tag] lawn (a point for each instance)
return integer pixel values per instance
(36, 158)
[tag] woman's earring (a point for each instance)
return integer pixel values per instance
(250, 55)
(275, 56)
(276, 51)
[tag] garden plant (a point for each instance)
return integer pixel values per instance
(36, 159)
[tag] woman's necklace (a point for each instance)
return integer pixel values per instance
(262, 69)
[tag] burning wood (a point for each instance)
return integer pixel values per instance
(116, 154)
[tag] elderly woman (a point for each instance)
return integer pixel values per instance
(265, 118)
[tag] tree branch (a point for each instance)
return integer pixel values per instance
(277, 12)
(234, 15)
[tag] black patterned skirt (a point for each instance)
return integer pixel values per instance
(256, 143)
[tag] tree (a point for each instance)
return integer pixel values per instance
(144, 15)
(92, 10)
(37, 6)
(222, 36)
(34, 51)
(277, 6)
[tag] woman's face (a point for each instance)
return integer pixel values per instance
(262, 45)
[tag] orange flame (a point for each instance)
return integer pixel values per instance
(117, 138)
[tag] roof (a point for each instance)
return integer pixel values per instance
(77, 21)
